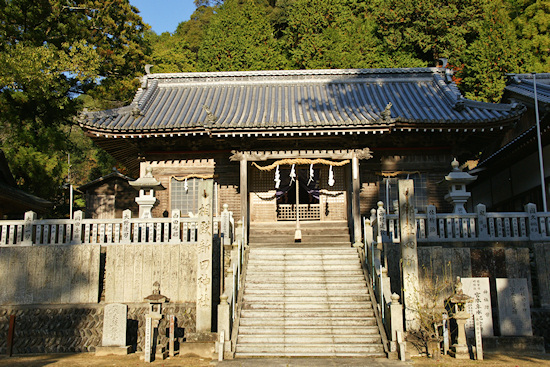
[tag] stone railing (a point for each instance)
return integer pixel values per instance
(174, 229)
(229, 300)
(529, 225)
(389, 308)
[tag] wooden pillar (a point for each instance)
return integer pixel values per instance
(244, 196)
(356, 210)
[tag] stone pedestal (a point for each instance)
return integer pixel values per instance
(459, 350)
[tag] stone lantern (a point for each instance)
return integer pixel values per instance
(458, 303)
(456, 182)
(152, 320)
(147, 185)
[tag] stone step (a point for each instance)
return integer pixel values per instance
(289, 314)
(297, 340)
(303, 224)
(330, 321)
(289, 238)
(260, 299)
(309, 349)
(303, 267)
(308, 292)
(309, 330)
(337, 306)
(310, 285)
(301, 276)
(291, 256)
(294, 249)
(301, 245)
(306, 280)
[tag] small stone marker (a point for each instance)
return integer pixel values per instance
(480, 291)
(114, 330)
(148, 339)
(445, 334)
(513, 307)
(172, 335)
(479, 339)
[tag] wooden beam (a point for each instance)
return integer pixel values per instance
(256, 156)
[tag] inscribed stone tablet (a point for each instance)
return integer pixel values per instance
(513, 307)
(114, 325)
(479, 290)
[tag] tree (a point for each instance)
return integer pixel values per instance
(171, 54)
(326, 34)
(52, 51)
(427, 29)
(482, 68)
(534, 29)
(239, 37)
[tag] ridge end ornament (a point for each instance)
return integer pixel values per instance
(364, 153)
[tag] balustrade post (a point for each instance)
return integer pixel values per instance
(176, 232)
(225, 225)
(126, 226)
(482, 232)
(432, 221)
(77, 227)
(531, 210)
(30, 217)
(396, 320)
(381, 220)
(224, 322)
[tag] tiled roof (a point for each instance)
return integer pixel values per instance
(523, 84)
(307, 100)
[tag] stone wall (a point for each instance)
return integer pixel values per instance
(49, 274)
(131, 270)
(66, 329)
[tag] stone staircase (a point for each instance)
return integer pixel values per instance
(306, 299)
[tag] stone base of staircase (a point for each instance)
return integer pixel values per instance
(306, 301)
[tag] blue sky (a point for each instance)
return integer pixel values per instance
(164, 15)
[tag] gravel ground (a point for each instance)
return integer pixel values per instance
(89, 359)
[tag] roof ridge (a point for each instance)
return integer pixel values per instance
(295, 72)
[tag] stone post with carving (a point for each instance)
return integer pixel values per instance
(409, 252)
(204, 257)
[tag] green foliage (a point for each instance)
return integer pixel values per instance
(494, 53)
(427, 29)
(171, 54)
(51, 52)
(534, 31)
(240, 37)
(329, 37)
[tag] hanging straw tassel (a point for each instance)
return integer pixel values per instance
(292, 173)
(330, 177)
(277, 178)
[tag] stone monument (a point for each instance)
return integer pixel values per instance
(514, 311)
(114, 330)
(480, 306)
(409, 252)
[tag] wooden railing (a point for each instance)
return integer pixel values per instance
(174, 229)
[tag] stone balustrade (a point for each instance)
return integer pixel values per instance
(529, 225)
(174, 229)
